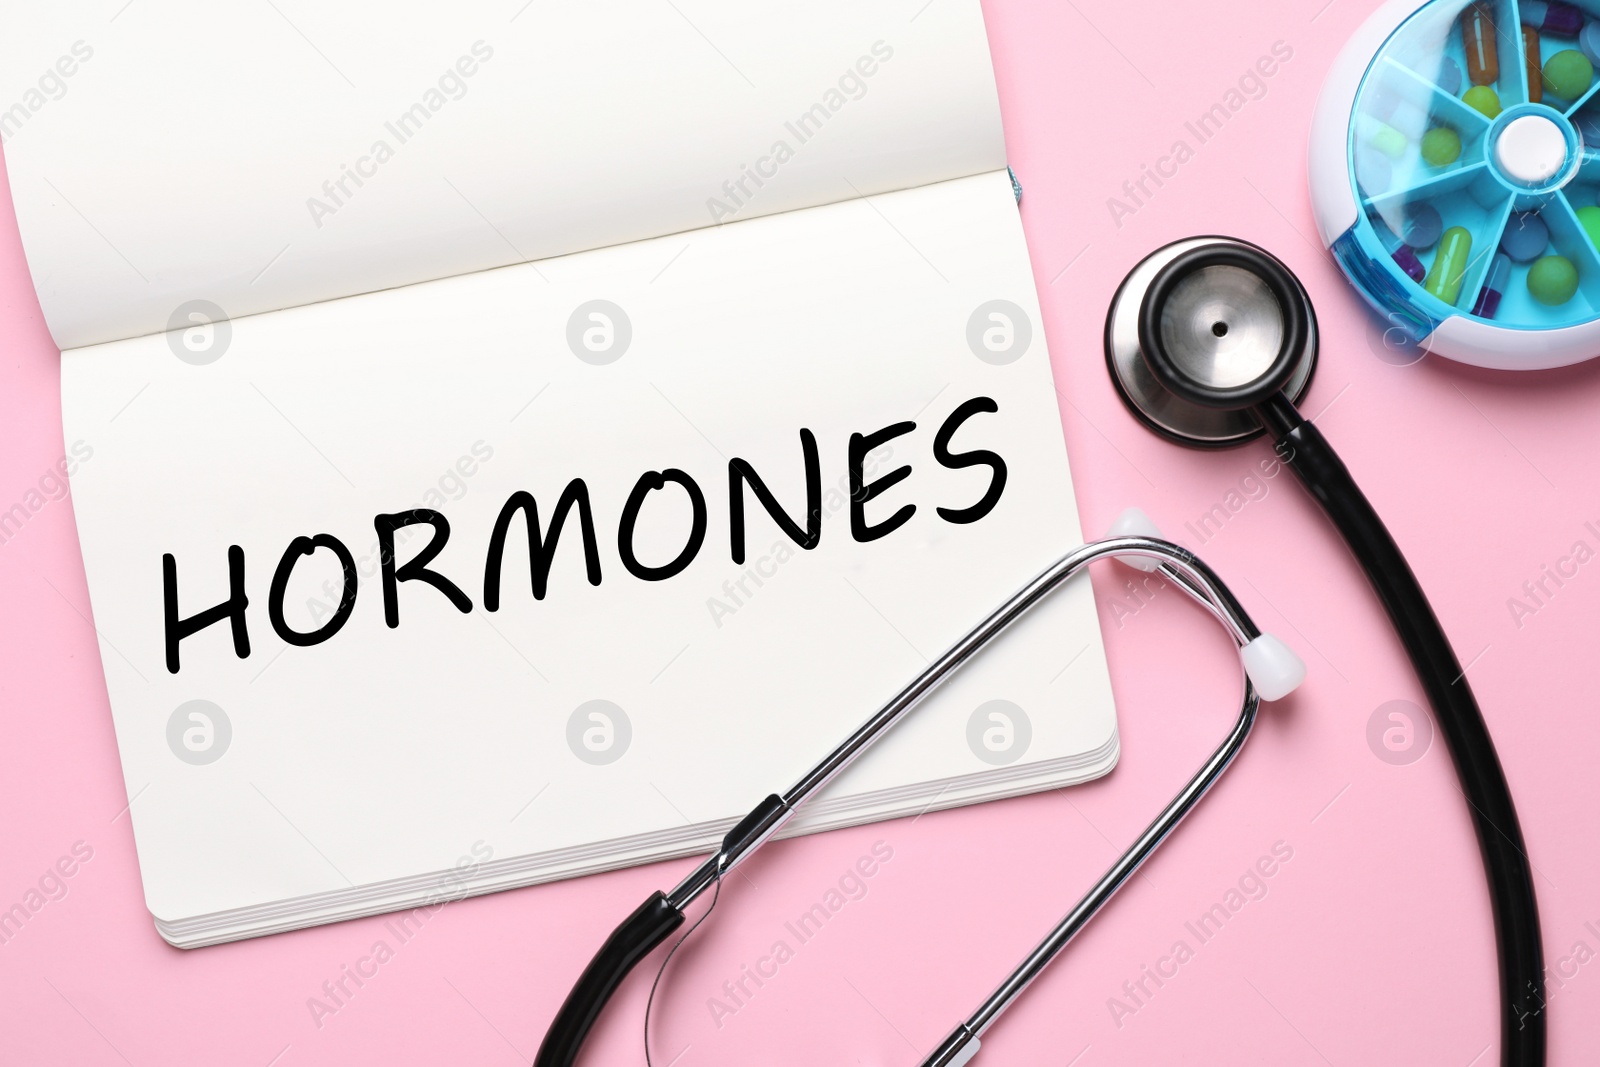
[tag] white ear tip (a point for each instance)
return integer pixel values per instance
(1135, 523)
(1273, 667)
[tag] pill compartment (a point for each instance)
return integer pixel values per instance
(1472, 117)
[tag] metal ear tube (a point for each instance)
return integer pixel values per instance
(1272, 671)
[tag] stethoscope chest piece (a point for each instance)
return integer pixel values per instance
(1202, 330)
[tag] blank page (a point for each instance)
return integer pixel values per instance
(267, 155)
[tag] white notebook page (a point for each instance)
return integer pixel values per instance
(186, 154)
(797, 214)
(395, 750)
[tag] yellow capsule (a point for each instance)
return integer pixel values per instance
(1382, 136)
(1450, 265)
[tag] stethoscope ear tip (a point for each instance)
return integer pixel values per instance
(1135, 523)
(1274, 668)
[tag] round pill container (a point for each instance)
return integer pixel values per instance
(1455, 175)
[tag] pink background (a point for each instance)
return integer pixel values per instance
(1371, 945)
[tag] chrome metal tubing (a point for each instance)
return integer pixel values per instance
(1086, 909)
(1177, 565)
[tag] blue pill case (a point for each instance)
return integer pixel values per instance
(1455, 152)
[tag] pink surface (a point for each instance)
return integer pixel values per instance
(1370, 945)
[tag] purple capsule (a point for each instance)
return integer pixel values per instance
(1402, 254)
(1407, 261)
(1554, 17)
(1494, 287)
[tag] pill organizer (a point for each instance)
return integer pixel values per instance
(1455, 175)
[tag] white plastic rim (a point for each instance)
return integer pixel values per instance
(1333, 202)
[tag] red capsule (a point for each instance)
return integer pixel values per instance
(1530, 49)
(1477, 36)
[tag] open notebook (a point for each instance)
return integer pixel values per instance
(334, 277)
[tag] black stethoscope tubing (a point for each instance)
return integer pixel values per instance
(1307, 452)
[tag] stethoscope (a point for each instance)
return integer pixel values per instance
(1272, 671)
(1210, 342)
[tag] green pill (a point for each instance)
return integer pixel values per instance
(1553, 280)
(1450, 265)
(1589, 217)
(1441, 145)
(1388, 140)
(1482, 99)
(1567, 74)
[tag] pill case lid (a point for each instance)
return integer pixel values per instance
(1416, 137)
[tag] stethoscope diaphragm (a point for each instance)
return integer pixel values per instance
(1200, 331)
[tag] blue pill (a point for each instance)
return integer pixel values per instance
(1589, 42)
(1449, 76)
(1526, 238)
(1588, 124)
(1421, 226)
